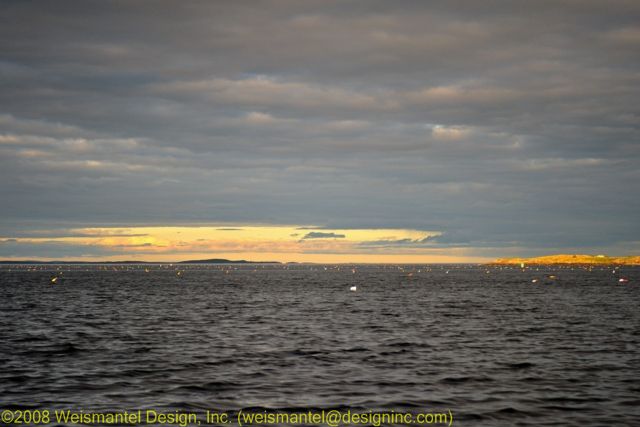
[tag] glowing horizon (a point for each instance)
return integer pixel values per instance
(247, 242)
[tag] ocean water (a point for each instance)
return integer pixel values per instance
(485, 343)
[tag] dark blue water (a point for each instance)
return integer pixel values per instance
(494, 348)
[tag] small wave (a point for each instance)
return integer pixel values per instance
(62, 349)
(210, 386)
(461, 380)
(521, 365)
(355, 350)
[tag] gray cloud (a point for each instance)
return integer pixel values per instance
(320, 235)
(393, 243)
(501, 124)
(51, 249)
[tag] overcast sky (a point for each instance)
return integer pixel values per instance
(491, 127)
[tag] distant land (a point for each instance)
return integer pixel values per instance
(572, 259)
(200, 261)
(225, 261)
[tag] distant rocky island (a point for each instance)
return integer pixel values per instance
(225, 261)
(572, 259)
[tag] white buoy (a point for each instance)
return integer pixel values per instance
(353, 288)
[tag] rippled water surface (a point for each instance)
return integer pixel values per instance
(488, 344)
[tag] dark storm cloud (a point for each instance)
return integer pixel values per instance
(499, 124)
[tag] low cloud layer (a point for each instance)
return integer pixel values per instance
(321, 235)
(506, 127)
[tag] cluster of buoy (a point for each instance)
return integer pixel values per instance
(552, 277)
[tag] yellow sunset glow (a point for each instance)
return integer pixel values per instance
(254, 243)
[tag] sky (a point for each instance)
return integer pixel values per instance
(319, 131)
